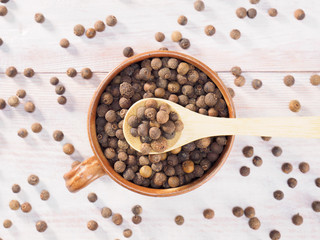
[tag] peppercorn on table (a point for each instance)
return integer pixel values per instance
(54, 54)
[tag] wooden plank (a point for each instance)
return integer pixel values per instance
(67, 214)
(267, 44)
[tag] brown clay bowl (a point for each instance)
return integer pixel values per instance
(97, 166)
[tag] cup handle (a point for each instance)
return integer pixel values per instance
(83, 174)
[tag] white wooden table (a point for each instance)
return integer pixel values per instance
(268, 49)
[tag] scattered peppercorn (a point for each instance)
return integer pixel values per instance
(276, 151)
(2, 104)
(58, 135)
(7, 223)
(78, 30)
(241, 12)
(68, 148)
(292, 182)
(33, 180)
(252, 13)
(28, 72)
(286, 168)
(199, 5)
(86, 73)
(236, 71)
(11, 71)
(209, 30)
(4, 1)
(22, 132)
(54, 81)
(265, 138)
(249, 212)
(304, 167)
(39, 18)
(184, 43)
(315, 80)
(1, 41)
(44, 195)
(13, 101)
(92, 225)
(182, 20)
(99, 26)
(92, 197)
(254, 1)
(272, 12)
(136, 219)
(257, 161)
(29, 107)
(41, 226)
(111, 20)
(64, 43)
(239, 81)
(297, 219)
(244, 171)
(237, 211)
(317, 182)
(14, 205)
(254, 223)
(128, 52)
(16, 188)
(136, 210)
(71, 72)
(159, 36)
(294, 106)
(275, 235)
(179, 220)
(117, 219)
(106, 212)
(248, 151)
(231, 91)
(235, 34)
(36, 127)
(316, 206)
(21, 93)
(62, 100)
(208, 213)
(91, 33)
(278, 195)
(256, 84)
(3, 11)
(299, 14)
(26, 207)
(127, 233)
(176, 36)
(288, 80)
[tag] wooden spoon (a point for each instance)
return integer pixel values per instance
(197, 126)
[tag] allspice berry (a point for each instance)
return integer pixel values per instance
(182, 20)
(36, 127)
(288, 80)
(62, 100)
(21, 93)
(28, 72)
(299, 14)
(236, 71)
(2, 103)
(86, 73)
(208, 213)
(265, 138)
(239, 81)
(159, 36)
(317, 182)
(231, 92)
(136, 219)
(54, 81)
(294, 106)
(136, 210)
(127, 233)
(286, 168)
(248, 151)
(274, 235)
(179, 220)
(256, 84)
(90, 33)
(199, 5)
(176, 36)
(44, 195)
(7, 223)
(276, 151)
(241, 12)
(128, 52)
(14, 205)
(272, 12)
(188, 166)
(237, 211)
(92, 197)
(257, 161)
(99, 26)
(26, 207)
(11, 71)
(304, 167)
(39, 18)
(209, 30)
(68, 148)
(58, 135)
(292, 182)
(297, 219)
(111, 21)
(315, 80)
(254, 1)
(145, 171)
(13, 101)
(106, 212)
(316, 206)
(3, 11)
(92, 225)
(33, 179)
(64, 43)
(235, 34)
(22, 132)
(16, 188)
(254, 223)
(184, 43)
(71, 72)
(278, 195)
(29, 107)
(244, 171)
(41, 226)
(117, 219)
(249, 212)
(252, 13)
(78, 30)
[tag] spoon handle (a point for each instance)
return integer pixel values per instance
(300, 127)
